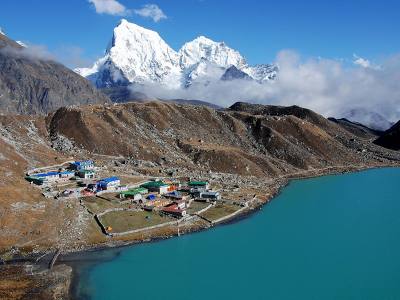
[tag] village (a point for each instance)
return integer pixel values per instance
(124, 205)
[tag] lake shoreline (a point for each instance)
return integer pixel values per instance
(279, 185)
(73, 256)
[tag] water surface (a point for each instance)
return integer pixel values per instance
(333, 237)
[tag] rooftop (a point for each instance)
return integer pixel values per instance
(135, 191)
(197, 183)
(172, 208)
(83, 162)
(153, 184)
(86, 171)
(51, 174)
(109, 179)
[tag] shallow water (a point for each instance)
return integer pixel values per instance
(332, 237)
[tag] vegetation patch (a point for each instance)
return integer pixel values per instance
(219, 211)
(196, 206)
(98, 205)
(121, 221)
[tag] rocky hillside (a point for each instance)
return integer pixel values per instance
(245, 139)
(357, 129)
(34, 85)
(390, 138)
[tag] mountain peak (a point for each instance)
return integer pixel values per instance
(214, 52)
(203, 39)
(135, 54)
(123, 21)
(126, 31)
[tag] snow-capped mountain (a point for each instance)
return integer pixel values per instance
(262, 72)
(203, 71)
(368, 118)
(139, 55)
(135, 54)
(210, 51)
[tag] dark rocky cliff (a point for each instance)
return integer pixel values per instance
(390, 138)
(34, 85)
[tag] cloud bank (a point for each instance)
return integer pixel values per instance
(327, 86)
(70, 56)
(31, 52)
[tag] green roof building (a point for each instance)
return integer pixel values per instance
(153, 184)
(200, 184)
(35, 180)
(132, 193)
(156, 186)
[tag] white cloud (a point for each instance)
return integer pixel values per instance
(115, 8)
(327, 86)
(151, 11)
(70, 56)
(110, 7)
(32, 52)
(361, 61)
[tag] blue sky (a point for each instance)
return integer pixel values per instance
(258, 29)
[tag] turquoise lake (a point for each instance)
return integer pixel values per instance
(332, 237)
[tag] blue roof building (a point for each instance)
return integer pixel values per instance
(107, 183)
(49, 176)
(82, 165)
(151, 197)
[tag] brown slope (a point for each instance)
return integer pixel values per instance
(357, 129)
(25, 215)
(254, 141)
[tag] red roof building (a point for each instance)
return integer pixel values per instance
(174, 210)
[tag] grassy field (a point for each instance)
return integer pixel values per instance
(98, 205)
(219, 211)
(121, 221)
(195, 206)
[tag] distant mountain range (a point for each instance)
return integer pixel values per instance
(139, 55)
(135, 56)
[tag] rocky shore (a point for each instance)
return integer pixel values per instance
(29, 281)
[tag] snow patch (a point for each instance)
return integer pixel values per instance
(22, 44)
